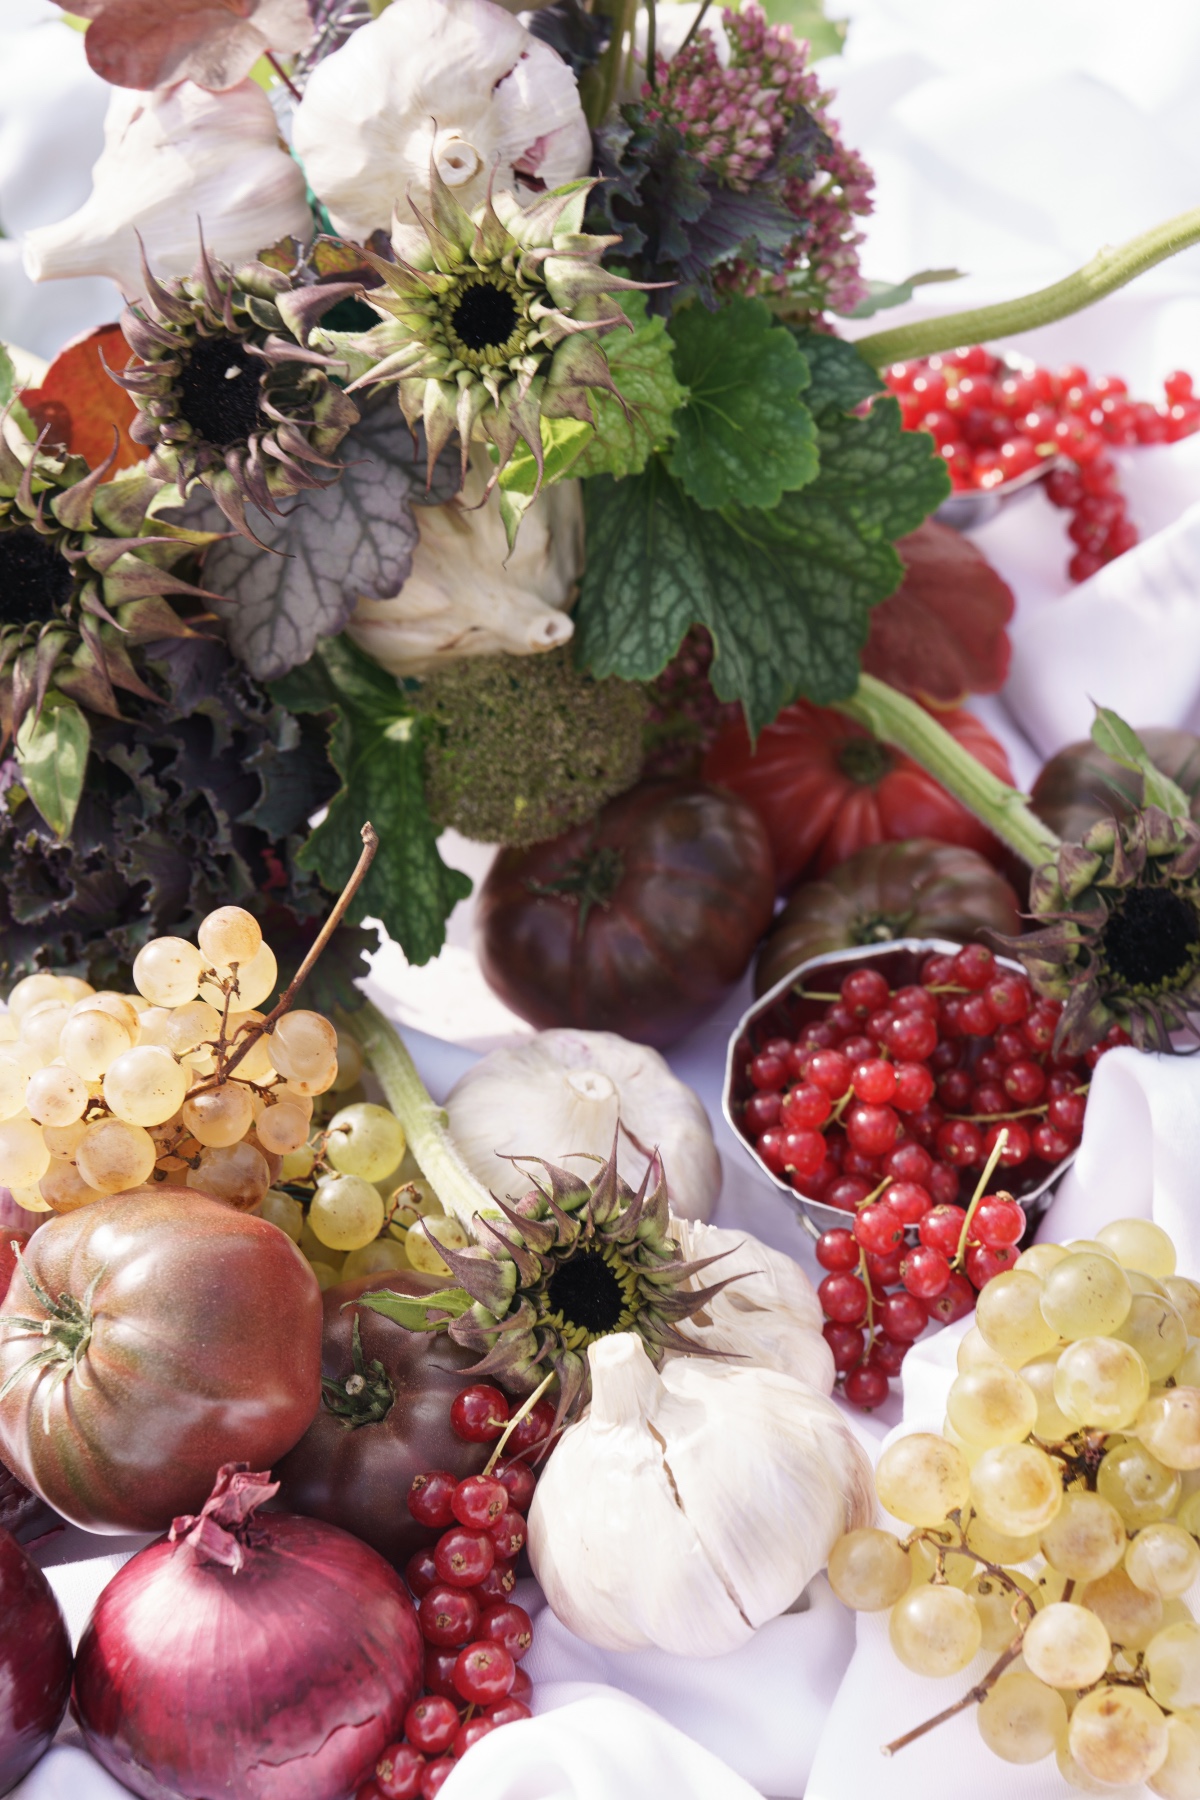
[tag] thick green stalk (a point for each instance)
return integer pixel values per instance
(899, 721)
(1108, 270)
(599, 84)
(425, 1124)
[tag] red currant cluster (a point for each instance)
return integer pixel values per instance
(475, 1635)
(882, 1108)
(993, 422)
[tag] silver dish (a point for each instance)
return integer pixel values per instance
(783, 1011)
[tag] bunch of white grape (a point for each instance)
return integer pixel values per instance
(1054, 1523)
(103, 1092)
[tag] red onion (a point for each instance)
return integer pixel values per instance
(271, 1658)
(35, 1663)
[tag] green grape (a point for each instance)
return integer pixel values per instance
(1016, 1489)
(1163, 1559)
(365, 1140)
(1139, 1244)
(1130, 1615)
(988, 1406)
(1169, 1426)
(1173, 1666)
(298, 1164)
(1178, 1778)
(1008, 1314)
(969, 1452)
(1085, 1296)
(869, 1570)
(383, 1256)
(1039, 1259)
(1052, 1425)
(1157, 1332)
(1100, 1381)
(327, 1276)
(346, 1212)
(421, 1251)
(1118, 1735)
(1066, 1646)
(1000, 1614)
(349, 1062)
(935, 1630)
(921, 1478)
(1142, 1489)
(283, 1211)
(282, 1129)
(1086, 1539)
(1145, 1284)
(1184, 1295)
(1020, 1719)
(1090, 1247)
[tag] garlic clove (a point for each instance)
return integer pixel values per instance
(769, 1314)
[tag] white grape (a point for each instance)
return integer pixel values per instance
(1184, 1296)
(1016, 1489)
(303, 1044)
(1066, 1646)
(1173, 1665)
(24, 1157)
(42, 1028)
(30, 991)
(229, 935)
(1178, 1777)
(1139, 1244)
(256, 1064)
(282, 1129)
(997, 1546)
(346, 1212)
(1130, 1615)
(1020, 1719)
(1086, 1296)
(56, 1096)
(1163, 1559)
(381, 1257)
(166, 971)
(919, 1478)
(145, 1085)
(1169, 1426)
(935, 1630)
(1102, 1382)
(349, 1061)
(64, 1188)
(92, 1040)
(1157, 1332)
(1118, 1735)
(238, 1174)
(1086, 1538)
(114, 1156)
(365, 1140)
(868, 1570)
(117, 1006)
(63, 1140)
(190, 1026)
(283, 1211)
(14, 1081)
(1039, 1259)
(974, 1352)
(1008, 1314)
(219, 1116)
(1001, 1614)
(420, 1245)
(1142, 1489)
(249, 984)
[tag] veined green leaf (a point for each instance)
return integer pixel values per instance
(52, 753)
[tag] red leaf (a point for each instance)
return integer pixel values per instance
(941, 635)
(154, 43)
(82, 403)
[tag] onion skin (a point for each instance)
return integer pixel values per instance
(283, 1681)
(35, 1663)
(205, 1349)
(358, 1476)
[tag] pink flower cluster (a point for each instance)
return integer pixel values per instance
(734, 120)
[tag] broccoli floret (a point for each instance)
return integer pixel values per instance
(526, 746)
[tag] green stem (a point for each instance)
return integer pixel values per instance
(424, 1123)
(899, 721)
(598, 86)
(1108, 270)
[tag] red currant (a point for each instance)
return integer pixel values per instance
(1066, 1113)
(519, 1481)
(915, 999)
(955, 1088)
(420, 1572)
(1040, 1026)
(944, 1184)
(448, 1617)
(989, 1098)
(909, 1201)
(439, 1674)
(760, 1112)
(509, 1625)
(941, 1229)
(772, 1147)
(866, 1387)
(982, 1262)
(914, 1087)
(837, 1251)
(864, 991)
(878, 1229)
(925, 1272)
(463, 1557)
(533, 1429)
(955, 1301)
(842, 1021)
(507, 1712)
(848, 1193)
(847, 1343)
(884, 1271)
(977, 1016)
(912, 1036)
(1009, 1046)
(478, 1414)
(1051, 1145)
(437, 1774)
(1024, 1082)
(768, 1071)
(508, 1534)
(1017, 1146)
(997, 1222)
(843, 1299)
(777, 1046)
(888, 1354)
(497, 1584)
(483, 1673)
(960, 1143)
(805, 1106)
(471, 1732)
(478, 1500)
(871, 1129)
(803, 1152)
(875, 1082)
(989, 1066)
(431, 1496)
(936, 971)
(399, 1772)
(974, 967)
(908, 1162)
(901, 1316)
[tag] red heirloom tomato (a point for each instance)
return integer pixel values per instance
(356, 1462)
(181, 1335)
(639, 921)
(824, 787)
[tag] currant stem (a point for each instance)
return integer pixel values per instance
(425, 1124)
(989, 1169)
(526, 1407)
(899, 721)
(1107, 271)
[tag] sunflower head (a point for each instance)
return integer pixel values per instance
(1119, 937)
(84, 571)
(495, 319)
(228, 391)
(573, 1261)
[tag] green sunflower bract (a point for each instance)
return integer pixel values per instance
(495, 320)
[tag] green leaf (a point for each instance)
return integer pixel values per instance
(884, 294)
(377, 747)
(562, 440)
(8, 377)
(413, 1313)
(642, 367)
(786, 594)
(841, 378)
(52, 752)
(807, 19)
(745, 436)
(1111, 734)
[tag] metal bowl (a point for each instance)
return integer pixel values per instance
(783, 1012)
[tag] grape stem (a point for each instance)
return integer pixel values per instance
(989, 1169)
(370, 842)
(971, 1698)
(1110, 269)
(425, 1123)
(899, 721)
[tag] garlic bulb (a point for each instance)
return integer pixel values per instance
(172, 157)
(687, 1508)
(459, 81)
(770, 1315)
(564, 1091)
(467, 594)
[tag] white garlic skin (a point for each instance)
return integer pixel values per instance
(564, 1091)
(770, 1314)
(688, 1508)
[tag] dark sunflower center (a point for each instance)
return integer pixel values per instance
(35, 581)
(218, 390)
(485, 317)
(586, 1291)
(1152, 938)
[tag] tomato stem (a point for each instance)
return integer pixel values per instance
(898, 720)
(425, 1123)
(1109, 269)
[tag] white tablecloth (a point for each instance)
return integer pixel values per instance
(1009, 139)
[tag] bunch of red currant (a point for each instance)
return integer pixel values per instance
(475, 1634)
(884, 1107)
(993, 422)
